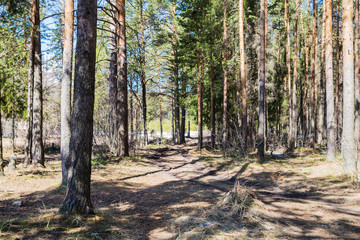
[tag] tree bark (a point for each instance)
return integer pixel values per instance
(1, 145)
(225, 56)
(160, 110)
(199, 103)
(348, 147)
(330, 108)
(143, 76)
(113, 89)
(357, 77)
(38, 149)
(122, 94)
(66, 88)
(260, 137)
(212, 103)
(77, 198)
(313, 80)
(29, 112)
(243, 76)
(288, 68)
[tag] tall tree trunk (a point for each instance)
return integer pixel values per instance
(29, 112)
(321, 93)
(313, 79)
(348, 147)
(243, 76)
(288, 66)
(212, 102)
(122, 91)
(306, 91)
(330, 108)
(143, 76)
(113, 88)
(38, 150)
(131, 112)
(337, 74)
(294, 85)
(260, 137)
(225, 56)
(199, 102)
(183, 111)
(77, 198)
(357, 78)
(66, 88)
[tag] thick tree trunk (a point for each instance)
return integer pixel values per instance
(66, 88)
(225, 56)
(29, 112)
(348, 147)
(113, 89)
(338, 102)
(122, 91)
(243, 76)
(330, 108)
(38, 150)
(260, 135)
(357, 78)
(77, 198)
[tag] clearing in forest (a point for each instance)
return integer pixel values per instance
(175, 192)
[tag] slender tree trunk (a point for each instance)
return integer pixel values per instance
(131, 112)
(313, 80)
(122, 91)
(243, 76)
(29, 112)
(337, 74)
(38, 150)
(212, 106)
(306, 91)
(113, 119)
(288, 67)
(1, 145)
(330, 108)
(13, 131)
(199, 103)
(183, 111)
(260, 137)
(160, 110)
(225, 56)
(321, 93)
(66, 88)
(77, 198)
(294, 85)
(348, 147)
(143, 76)
(357, 78)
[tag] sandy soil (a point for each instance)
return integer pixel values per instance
(144, 196)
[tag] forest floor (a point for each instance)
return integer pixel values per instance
(173, 192)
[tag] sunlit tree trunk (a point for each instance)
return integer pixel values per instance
(122, 90)
(225, 56)
(243, 76)
(348, 148)
(313, 80)
(29, 112)
(288, 68)
(143, 75)
(260, 135)
(38, 149)
(66, 87)
(330, 107)
(77, 198)
(357, 76)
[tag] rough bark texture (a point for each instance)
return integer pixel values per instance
(77, 198)
(294, 85)
(122, 94)
(348, 147)
(313, 80)
(38, 149)
(243, 76)
(113, 126)
(357, 76)
(260, 135)
(143, 76)
(321, 106)
(66, 87)
(225, 56)
(330, 108)
(288, 67)
(337, 72)
(29, 112)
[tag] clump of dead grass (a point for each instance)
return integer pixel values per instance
(227, 219)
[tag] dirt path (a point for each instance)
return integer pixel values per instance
(143, 198)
